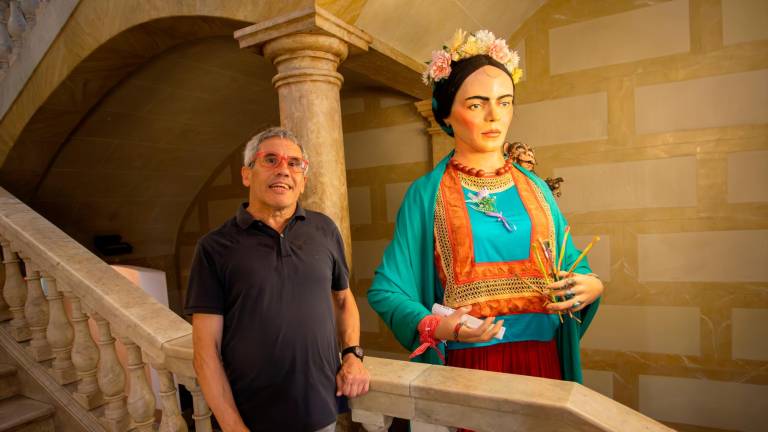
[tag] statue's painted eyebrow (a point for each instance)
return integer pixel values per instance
(486, 98)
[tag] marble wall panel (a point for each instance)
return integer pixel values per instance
(578, 118)
(359, 205)
(192, 222)
(749, 334)
(369, 321)
(655, 329)
(186, 254)
(744, 21)
(748, 176)
(222, 210)
(386, 146)
(366, 256)
(224, 179)
(599, 256)
(656, 183)
(599, 381)
(713, 256)
(351, 105)
(393, 100)
(621, 38)
(707, 403)
(395, 193)
(722, 100)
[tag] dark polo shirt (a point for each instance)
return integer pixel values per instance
(279, 344)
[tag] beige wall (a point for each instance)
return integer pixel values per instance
(662, 139)
(661, 133)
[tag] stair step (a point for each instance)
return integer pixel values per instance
(9, 381)
(23, 414)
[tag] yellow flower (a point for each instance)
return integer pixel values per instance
(516, 75)
(456, 40)
(471, 47)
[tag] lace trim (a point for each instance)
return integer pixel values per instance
(493, 184)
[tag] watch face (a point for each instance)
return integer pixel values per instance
(359, 351)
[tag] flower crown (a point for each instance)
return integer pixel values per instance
(464, 45)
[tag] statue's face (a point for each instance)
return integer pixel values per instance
(482, 111)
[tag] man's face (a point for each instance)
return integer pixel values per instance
(277, 188)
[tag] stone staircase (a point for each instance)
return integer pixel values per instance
(19, 413)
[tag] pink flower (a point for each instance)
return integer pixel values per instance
(440, 66)
(499, 51)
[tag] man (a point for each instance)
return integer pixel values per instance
(263, 292)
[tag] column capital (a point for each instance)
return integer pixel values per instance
(314, 21)
(425, 109)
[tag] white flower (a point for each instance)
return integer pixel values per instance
(514, 59)
(484, 39)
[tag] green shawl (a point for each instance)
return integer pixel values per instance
(405, 285)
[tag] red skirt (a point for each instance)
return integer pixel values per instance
(532, 358)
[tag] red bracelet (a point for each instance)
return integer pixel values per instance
(426, 329)
(457, 329)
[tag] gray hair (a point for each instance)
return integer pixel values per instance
(274, 132)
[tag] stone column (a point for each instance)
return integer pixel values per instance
(15, 294)
(141, 400)
(36, 311)
(307, 51)
(5, 312)
(172, 420)
(60, 334)
(85, 357)
(201, 413)
(111, 378)
(440, 141)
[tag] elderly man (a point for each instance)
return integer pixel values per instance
(263, 292)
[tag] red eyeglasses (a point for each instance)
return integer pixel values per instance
(274, 160)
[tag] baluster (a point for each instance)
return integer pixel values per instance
(15, 294)
(17, 25)
(141, 399)
(372, 421)
(201, 415)
(6, 46)
(36, 311)
(85, 357)
(29, 8)
(111, 379)
(5, 313)
(172, 420)
(60, 334)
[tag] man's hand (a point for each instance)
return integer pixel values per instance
(353, 378)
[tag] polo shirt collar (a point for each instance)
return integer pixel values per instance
(245, 219)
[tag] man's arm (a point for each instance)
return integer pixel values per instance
(352, 380)
(206, 337)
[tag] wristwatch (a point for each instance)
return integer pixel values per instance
(357, 350)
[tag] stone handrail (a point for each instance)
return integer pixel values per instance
(486, 401)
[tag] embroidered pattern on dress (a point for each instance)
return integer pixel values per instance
(493, 184)
(474, 291)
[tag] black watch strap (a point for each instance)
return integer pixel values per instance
(357, 350)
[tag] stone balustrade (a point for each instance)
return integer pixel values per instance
(47, 274)
(54, 268)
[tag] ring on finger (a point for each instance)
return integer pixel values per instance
(569, 294)
(576, 304)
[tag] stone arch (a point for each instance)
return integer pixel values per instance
(102, 43)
